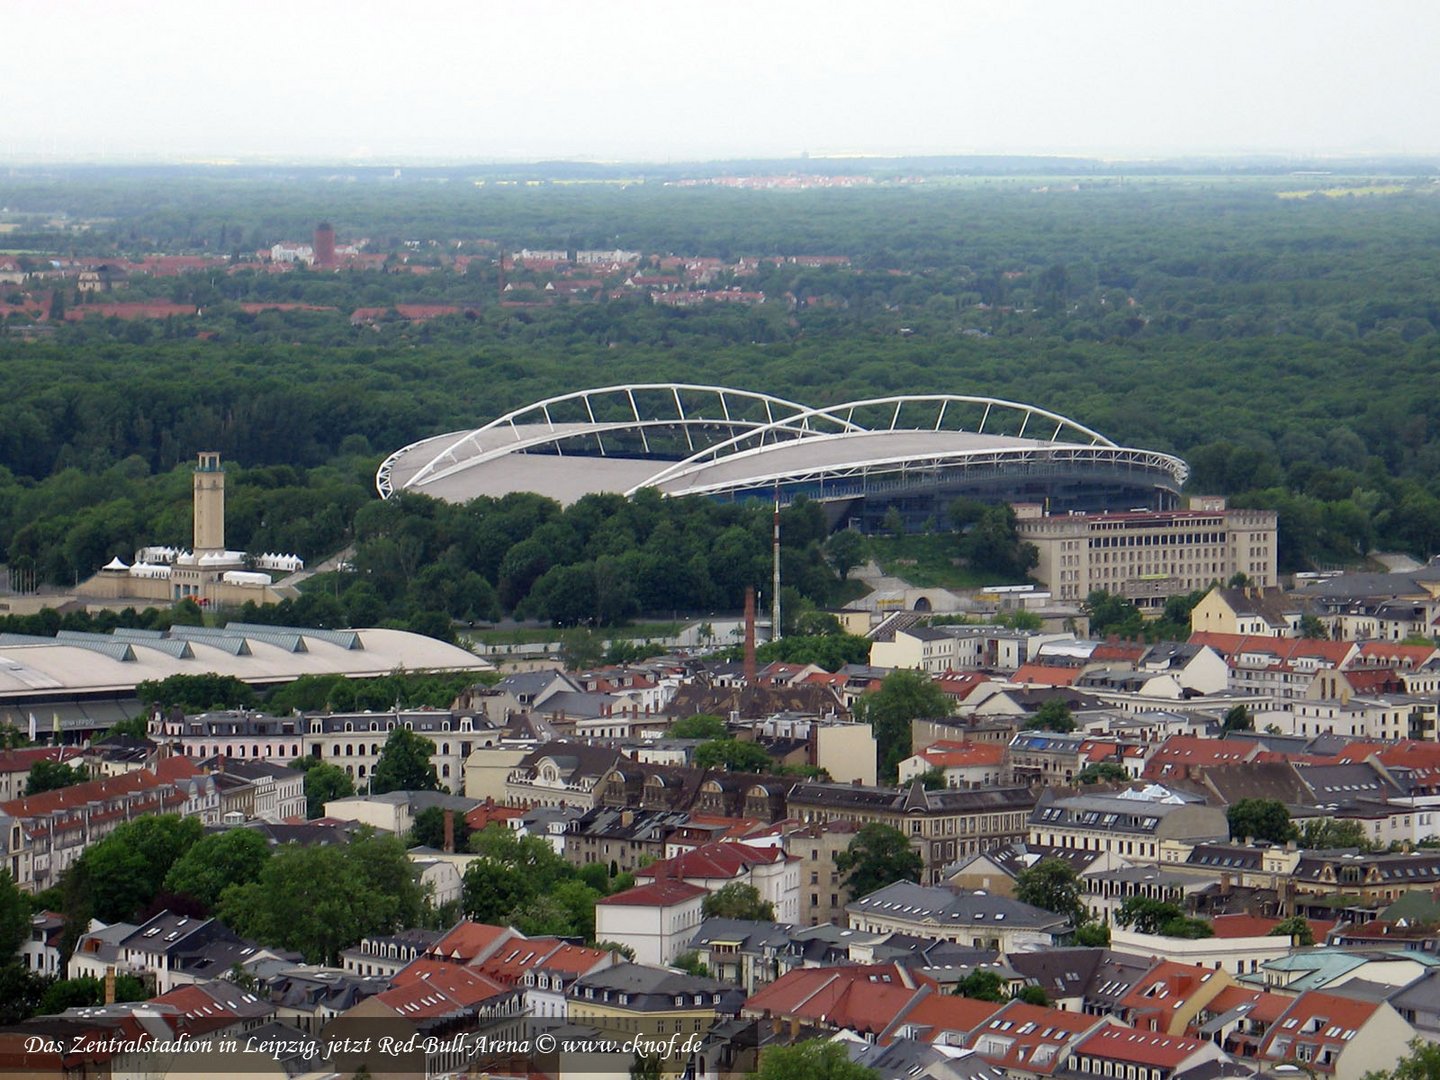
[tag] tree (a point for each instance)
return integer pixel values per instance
(1052, 715)
(581, 648)
(904, 696)
(1311, 627)
(878, 856)
(1102, 772)
(405, 764)
(1147, 916)
(196, 693)
(323, 899)
(515, 869)
(87, 990)
(691, 964)
(1327, 833)
(732, 755)
(20, 992)
(1092, 935)
(993, 546)
(737, 901)
(1112, 615)
(137, 727)
(323, 782)
(1238, 718)
(814, 1059)
(47, 775)
(1033, 995)
(117, 877)
(1297, 929)
(428, 830)
(933, 779)
(14, 916)
(1422, 1063)
(1054, 885)
(699, 726)
(217, 861)
(982, 985)
(1260, 819)
(845, 550)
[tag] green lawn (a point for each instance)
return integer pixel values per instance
(926, 562)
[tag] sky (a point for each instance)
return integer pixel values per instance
(685, 80)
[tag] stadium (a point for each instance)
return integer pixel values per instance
(916, 453)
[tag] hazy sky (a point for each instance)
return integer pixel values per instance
(686, 79)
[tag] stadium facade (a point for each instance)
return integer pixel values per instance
(916, 453)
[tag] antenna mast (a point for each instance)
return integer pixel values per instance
(775, 575)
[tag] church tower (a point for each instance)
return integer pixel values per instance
(209, 504)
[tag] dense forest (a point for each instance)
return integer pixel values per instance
(1284, 339)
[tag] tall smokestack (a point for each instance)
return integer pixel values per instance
(750, 634)
(450, 832)
(110, 985)
(775, 575)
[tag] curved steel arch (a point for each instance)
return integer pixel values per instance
(834, 413)
(450, 453)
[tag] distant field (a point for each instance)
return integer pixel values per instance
(1338, 192)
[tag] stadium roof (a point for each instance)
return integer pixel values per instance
(690, 439)
(38, 670)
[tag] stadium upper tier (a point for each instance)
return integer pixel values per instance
(685, 439)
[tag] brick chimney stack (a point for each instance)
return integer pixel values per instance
(750, 668)
(450, 832)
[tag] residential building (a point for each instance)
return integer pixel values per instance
(768, 870)
(1337, 1036)
(981, 920)
(942, 825)
(823, 892)
(962, 764)
(657, 920)
(1115, 1051)
(627, 999)
(1250, 611)
(1131, 823)
(44, 834)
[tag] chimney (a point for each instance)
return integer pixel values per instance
(110, 985)
(750, 635)
(450, 832)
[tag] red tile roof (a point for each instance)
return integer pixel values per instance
(933, 1015)
(664, 893)
(1285, 650)
(1035, 1037)
(714, 861)
(1235, 926)
(1320, 1020)
(861, 997)
(1046, 675)
(1139, 1047)
(467, 941)
(428, 988)
(948, 754)
(1155, 996)
(21, 760)
(1393, 654)
(1177, 755)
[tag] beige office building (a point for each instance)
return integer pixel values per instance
(1150, 555)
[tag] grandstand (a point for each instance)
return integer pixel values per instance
(915, 453)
